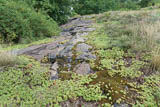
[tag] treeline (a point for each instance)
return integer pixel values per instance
(22, 21)
(97, 6)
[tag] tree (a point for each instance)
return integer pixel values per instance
(59, 10)
(145, 3)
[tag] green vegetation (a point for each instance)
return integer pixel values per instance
(126, 44)
(21, 24)
(98, 6)
(28, 83)
(59, 10)
(8, 47)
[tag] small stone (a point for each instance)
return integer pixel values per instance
(69, 59)
(83, 68)
(69, 65)
(54, 73)
(126, 88)
(121, 105)
(54, 66)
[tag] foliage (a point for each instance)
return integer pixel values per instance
(72, 89)
(115, 62)
(20, 23)
(29, 84)
(117, 57)
(97, 6)
(59, 10)
(145, 3)
(150, 94)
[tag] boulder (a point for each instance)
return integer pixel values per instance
(83, 68)
(85, 56)
(82, 47)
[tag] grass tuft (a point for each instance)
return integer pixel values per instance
(7, 59)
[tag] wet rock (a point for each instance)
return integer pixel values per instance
(77, 39)
(69, 65)
(83, 29)
(52, 57)
(67, 52)
(82, 47)
(86, 56)
(126, 88)
(54, 73)
(82, 34)
(68, 30)
(83, 68)
(65, 34)
(69, 59)
(90, 29)
(121, 105)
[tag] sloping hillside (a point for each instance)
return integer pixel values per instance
(104, 60)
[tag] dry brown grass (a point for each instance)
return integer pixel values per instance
(7, 59)
(156, 59)
(145, 35)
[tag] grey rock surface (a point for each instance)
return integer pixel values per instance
(54, 72)
(83, 68)
(86, 56)
(121, 105)
(83, 47)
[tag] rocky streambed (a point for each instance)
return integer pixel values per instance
(68, 51)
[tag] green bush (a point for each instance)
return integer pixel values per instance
(59, 10)
(20, 23)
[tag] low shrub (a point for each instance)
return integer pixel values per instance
(21, 23)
